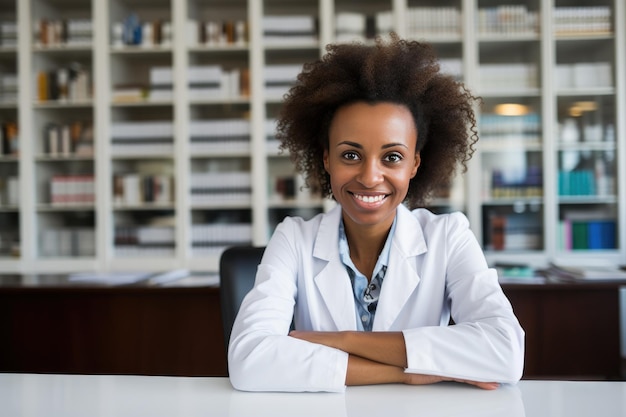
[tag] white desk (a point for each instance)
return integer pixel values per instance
(31, 395)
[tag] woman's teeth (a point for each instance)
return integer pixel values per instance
(370, 198)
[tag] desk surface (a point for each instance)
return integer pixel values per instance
(105, 395)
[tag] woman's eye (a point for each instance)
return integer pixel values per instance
(393, 157)
(352, 156)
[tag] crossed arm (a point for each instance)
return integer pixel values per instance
(377, 358)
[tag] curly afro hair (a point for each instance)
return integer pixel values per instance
(397, 71)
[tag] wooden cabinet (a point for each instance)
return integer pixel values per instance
(121, 330)
(572, 331)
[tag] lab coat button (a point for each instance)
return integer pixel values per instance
(364, 318)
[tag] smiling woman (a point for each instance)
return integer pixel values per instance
(371, 285)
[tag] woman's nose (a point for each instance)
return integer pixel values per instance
(370, 174)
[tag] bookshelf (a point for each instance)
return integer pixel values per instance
(9, 160)
(145, 129)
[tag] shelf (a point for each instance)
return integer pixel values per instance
(61, 159)
(64, 48)
(529, 159)
(218, 49)
(513, 200)
(63, 104)
(52, 208)
(141, 50)
(144, 207)
(587, 199)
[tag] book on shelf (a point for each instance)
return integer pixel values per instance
(135, 189)
(217, 135)
(67, 242)
(144, 241)
(129, 93)
(583, 75)
(161, 84)
(223, 187)
(213, 239)
(508, 20)
(498, 77)
(8, 34)
(55, 32)
(591, 229)
(288, 29)
(142, 138)
(9, 191)
(69, 139)
(511, 273)
(210, 82)
(129, 277)
(350, 26)
(530, 185)
(217, 33)
(582, 20)
(514, 232)
(278, 79)
(65, 84)
(8, 88)
(586, 272)
(590, 234)
(67, 190)
(433, 22)
(9, 139)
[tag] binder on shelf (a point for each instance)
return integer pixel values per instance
(222, 187)
(142, 138)
(161, 84)
(8, 34)
(279, 79)
(218, 135)
(513, 20)
(144, 241)
(67, 242)
(433, 22)
(288, 29)
(213, 239)
(8, 88)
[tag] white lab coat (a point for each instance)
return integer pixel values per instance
(436, 268)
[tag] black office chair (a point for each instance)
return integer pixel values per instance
(238, 266)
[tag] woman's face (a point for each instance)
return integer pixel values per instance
(371, 158)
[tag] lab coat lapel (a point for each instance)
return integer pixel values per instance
(401, 277)
(332, 280)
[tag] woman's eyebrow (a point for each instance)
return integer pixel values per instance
(358, 145)
(348, 143)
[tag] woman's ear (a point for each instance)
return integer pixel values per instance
(418, 161)
(325, 159)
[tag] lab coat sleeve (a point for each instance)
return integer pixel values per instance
(261, 355)
(487, 342)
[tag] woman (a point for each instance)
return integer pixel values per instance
(371, 286)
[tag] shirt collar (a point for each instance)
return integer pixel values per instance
(383, 258)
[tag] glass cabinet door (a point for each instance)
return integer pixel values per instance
(586, 151)
(510, 149)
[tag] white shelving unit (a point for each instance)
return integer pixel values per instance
(182, 231)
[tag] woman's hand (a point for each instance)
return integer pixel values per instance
(422, 379)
